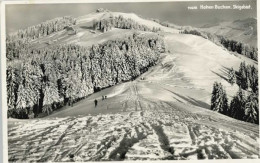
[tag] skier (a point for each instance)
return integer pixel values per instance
(95, 102)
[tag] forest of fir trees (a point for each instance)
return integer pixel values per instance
(39, 81)
(18, 43)
(57, 76)
(244, 105)
(107, 24)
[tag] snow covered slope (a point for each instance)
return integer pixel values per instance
(141, 128)
(163, 114)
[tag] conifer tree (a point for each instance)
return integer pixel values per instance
(243, 77)
(11, 88)
(251, 111)
(219, 101)
(232, 76)
(237, 105)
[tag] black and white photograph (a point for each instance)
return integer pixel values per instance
(130, 81)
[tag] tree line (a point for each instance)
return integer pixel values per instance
(18, 43)
(43, 29)
(165, 23)
(231, 45)
(241, 107)
(107, 24)
(53, 77)
(240, 48)
(244, 105)
(194, 32)
(247, 77)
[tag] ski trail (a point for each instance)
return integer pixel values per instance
(47, 153)
(163, 139)
(157, 130)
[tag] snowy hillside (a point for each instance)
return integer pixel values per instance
(160, 113)
(85, 36)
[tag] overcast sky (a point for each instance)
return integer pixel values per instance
(21, 16)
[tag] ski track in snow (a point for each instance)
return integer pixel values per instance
(145, 130)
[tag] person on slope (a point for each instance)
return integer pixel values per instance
(96, 102)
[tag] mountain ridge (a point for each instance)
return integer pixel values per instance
(243, 30)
